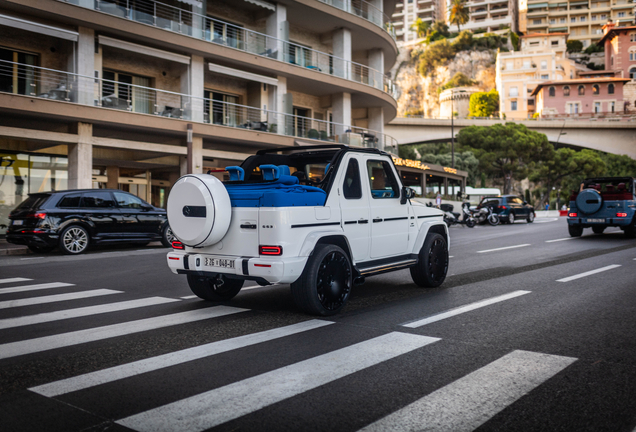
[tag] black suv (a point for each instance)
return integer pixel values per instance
(75, 219)
(509, 208)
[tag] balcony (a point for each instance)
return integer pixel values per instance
(363, 10)
(72, 88)
(219, 32)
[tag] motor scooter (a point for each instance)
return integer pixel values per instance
(484, 214)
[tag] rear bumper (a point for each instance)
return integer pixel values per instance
(32, 239)
(584, 222)
(262, 270)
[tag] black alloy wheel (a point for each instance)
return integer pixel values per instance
(167, 237)
(214, 289)
(432, 266)
(325, 285)
(74, 240)
(511, 217)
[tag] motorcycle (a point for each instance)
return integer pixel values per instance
(484, 214)
(452, 218)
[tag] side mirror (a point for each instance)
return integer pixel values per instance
(407, 194)
(146, 207)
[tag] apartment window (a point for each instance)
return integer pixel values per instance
(583, 19)
(18, 79)
(302, 121)
(632, 37)
(612, 106)
(555, 43)
(562, 20)
(221, 109)
(514, 92)
(536, 21)
(581, 90)
(544, 64)
(595, 89)
(632, 56)
(545, 76)
(513, 105)
(603, 17)
(632, 73)
(593, 17)
(597, 107)
(552, 20)
(526, 64)
(530, 102)
(573, 19)
(552, 92)
(299, 55)
(610, 89)
(128, 92)
(224, 33)
(566, 91)
(621, 15)
(576, 108)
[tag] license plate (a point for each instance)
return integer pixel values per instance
(18, 222)
(596, 220)
(219, 262)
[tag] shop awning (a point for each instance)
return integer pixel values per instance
(537, 5)
(40, 28)
(579, 3)
(558, 30)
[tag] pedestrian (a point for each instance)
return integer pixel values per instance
(438, 199)
(547, 206)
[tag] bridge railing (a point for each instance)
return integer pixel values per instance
(601, 116)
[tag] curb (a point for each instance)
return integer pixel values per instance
(15, 251)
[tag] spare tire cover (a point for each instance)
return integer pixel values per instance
(589, 201)
(199, 210)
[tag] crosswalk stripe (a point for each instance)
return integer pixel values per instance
(469, 402)
(94, 334)
(13, 280)
(34, 287)
(464, 309)
(221, 405)
(178, 357)
(82, 312)
(56, 298)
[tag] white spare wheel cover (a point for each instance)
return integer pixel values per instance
(199, 210)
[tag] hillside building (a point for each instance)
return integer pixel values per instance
(408, 11)
(492, 16)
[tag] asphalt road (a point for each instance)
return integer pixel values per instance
(532, 331)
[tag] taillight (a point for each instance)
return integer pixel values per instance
(572, 214)
(621, 214)
(502, 207)
(176, 244)
(270, 250)
(39, 215)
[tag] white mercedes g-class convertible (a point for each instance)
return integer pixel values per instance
(320, 218)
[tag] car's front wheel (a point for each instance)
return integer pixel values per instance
(74, 240)
(511, 217)
(325, 285)
(530, 217)
(217, 289)
(432, 265)
(575, 230)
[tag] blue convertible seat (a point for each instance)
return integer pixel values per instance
(284, 191)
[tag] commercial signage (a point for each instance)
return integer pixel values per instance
(419, 165)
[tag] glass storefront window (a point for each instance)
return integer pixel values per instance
(21, 174)
(412, 180)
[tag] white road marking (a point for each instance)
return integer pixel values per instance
(546, 220)
(504, 248)
(34, 287)
(56, 298)
(451, 257)
(591, 272)
(94, 334)
(174, 358)
(471, 401)
(221, 405)
(12, 280)
(463, 309)
(33, 258)
(561, 239)
(189, 297)
(81, 312)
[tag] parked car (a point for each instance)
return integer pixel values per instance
(76, 219)
(603, 202)
(509, 208)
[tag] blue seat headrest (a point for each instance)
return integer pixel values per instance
(236, 173)
(270, 172)
(284, 170)
(288, 180)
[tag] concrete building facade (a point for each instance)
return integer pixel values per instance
(620, 49)
(492, 15)
(542, 58)
(408, 11)
(133, 94)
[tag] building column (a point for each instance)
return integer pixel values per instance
(85, 67)
(376, 123)
(193, 84)
(80, 159)
(341, 110)
(194, 158)
(277, 27)
(112, 172)
(148, 187)
(342, 50)
(376, 62)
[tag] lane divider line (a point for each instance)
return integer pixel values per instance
(128, 370)
(218, 406)
(46, 343)
(589, 273)
(463, 309)
(12, 280)
(472, 400)
(504, 248)
(561, 239)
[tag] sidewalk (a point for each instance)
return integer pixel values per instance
(12, 249)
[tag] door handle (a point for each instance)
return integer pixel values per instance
(376, 220)
(363, 221)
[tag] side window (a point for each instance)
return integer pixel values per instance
(128, 201)
(352, 187)
(98, 200)
(382, 181)
(70, 201)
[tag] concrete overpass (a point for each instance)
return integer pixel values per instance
(618, 137)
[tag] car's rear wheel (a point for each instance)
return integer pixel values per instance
(511, 217)
(432, 265)
(74, 240)
(530, 217)
(575, 230)
(167, 237)
(214, 289)
(598, 229)
(325, 285)
(630, 231)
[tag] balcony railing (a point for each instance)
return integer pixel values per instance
(219, 32)
(364, 10)
(51, 84)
